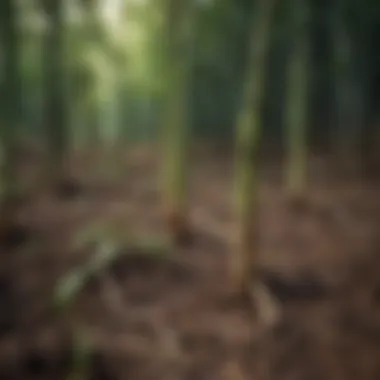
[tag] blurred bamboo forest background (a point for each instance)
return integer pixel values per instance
(293, 233)
(112, 65)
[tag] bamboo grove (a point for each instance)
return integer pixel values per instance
(175, 41)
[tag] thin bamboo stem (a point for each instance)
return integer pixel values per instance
(247, 139)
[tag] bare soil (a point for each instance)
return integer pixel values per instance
(152, 318)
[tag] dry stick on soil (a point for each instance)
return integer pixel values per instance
(244, 255)
(176, 117)
(296, 114)
(76, 280)
(107, 251)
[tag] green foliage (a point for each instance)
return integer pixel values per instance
(128, 50)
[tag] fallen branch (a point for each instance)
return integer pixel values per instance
(106, 252)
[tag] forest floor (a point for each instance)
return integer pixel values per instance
(156, 319)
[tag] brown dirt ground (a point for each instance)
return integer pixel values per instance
(172, 319)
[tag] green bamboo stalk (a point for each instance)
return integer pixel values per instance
(179, 21)
(90, 111)
(105, 124)
(56, 115)
(348, 91)
(80, 85)
(342, 60)
(297, 99)
(247, 130)
(10, 109)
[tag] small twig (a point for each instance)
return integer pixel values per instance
(267, 308)
(107, 252)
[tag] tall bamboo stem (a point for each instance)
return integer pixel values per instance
(176, 115)
(297, 100)
(247, 139)
(11, 110)
(56, 115)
